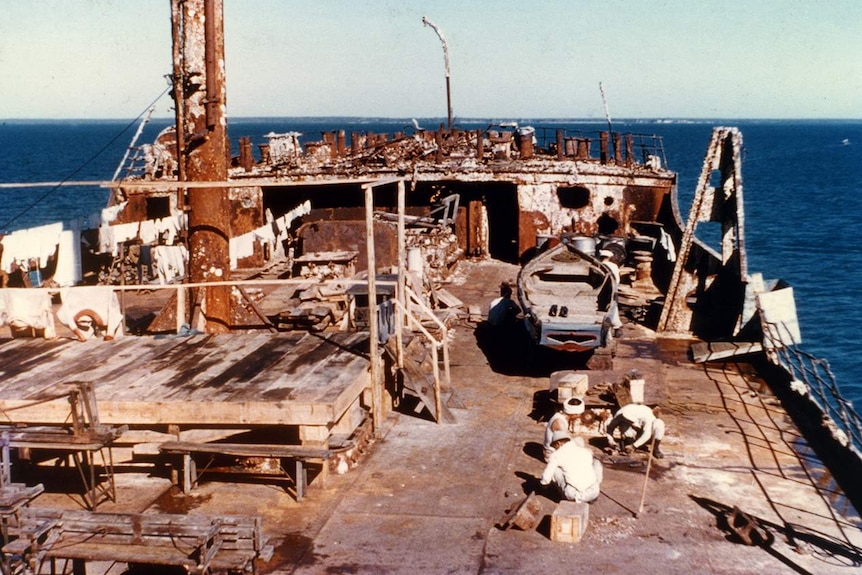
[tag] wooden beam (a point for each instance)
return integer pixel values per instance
(376, 385)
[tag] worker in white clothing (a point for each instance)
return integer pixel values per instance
(562, 420)
(637, 421)
(572, 468)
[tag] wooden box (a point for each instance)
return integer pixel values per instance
(569, 383)
(569, 521)
(525, 515)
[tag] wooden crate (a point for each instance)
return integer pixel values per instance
(569, 383)
(569, 521)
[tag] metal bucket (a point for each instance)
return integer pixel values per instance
(543, 241)
(584, 244)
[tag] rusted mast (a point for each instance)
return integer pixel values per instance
(202, 127)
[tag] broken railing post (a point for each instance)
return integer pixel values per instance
(561, 152)
(525, 145)
(603, 147)
(246, 160)
(629, 149)
(340, 144)
(402, 278)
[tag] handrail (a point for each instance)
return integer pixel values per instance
(434, 361)
(817, 378)
(443, 330)
(428, 312)
(442, 343)
(232, 283)
(247, 282)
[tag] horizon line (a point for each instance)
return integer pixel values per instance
(669, 119)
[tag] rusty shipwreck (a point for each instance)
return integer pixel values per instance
(318, 325)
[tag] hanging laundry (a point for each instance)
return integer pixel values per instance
(241, 247)
(170, 262)
(27, 310)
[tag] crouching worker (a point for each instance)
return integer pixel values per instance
(572, 469)
(639, 422)
(562, 420)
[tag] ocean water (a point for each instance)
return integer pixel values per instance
(802, 187)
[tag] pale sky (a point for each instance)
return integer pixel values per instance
(509, 59)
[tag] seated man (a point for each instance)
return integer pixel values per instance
(572, 469)
(503, 311)
(639, 422)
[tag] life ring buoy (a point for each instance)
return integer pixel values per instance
(96, 319)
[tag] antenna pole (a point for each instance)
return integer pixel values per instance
(427, 22)
(605, 102)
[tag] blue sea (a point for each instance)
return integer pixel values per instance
(802, 191)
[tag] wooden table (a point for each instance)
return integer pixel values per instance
(82, 447)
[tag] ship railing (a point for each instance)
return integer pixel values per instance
(607, 147)
(611, 146)
(182, 325)
(135, 165)
(813, 375)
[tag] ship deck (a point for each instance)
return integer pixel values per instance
(429, 498)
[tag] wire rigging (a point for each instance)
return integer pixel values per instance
(92, 158)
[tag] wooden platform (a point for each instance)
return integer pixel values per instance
(259, 379)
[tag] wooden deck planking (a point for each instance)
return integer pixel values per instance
(221, 358)
(32, 367)
(299, 377)
(17, 356)
(135, 373)
(243, 379)
(36, 390)
(172, 371)
(349, 379)
(319, 388)
(326, 388)
(259, 367)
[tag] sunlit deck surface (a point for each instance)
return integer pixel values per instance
(428, 497)
(230, 379)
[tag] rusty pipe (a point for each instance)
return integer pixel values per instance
(212, 99)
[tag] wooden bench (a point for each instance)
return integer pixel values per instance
(188, 469)
(199, 544)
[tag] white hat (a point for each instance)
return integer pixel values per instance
(560, 435)
(573, 406)
(606, 254)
